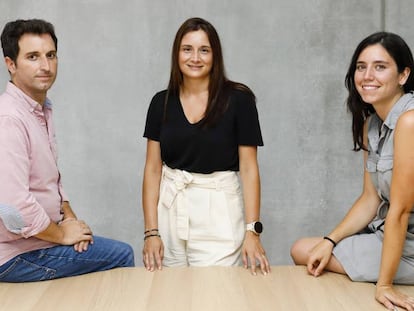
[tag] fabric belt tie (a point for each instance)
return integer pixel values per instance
(177, 182)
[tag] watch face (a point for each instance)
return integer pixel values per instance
(258, 227)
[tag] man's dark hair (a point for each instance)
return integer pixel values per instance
(14, 30)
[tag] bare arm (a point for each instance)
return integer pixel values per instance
(69, 215)
(361, 213)
(67, 211)
(249, 172)
(401, 204)
(66, 233)
(153, 248)
(358, 217)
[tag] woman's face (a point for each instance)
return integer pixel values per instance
(376, 76)
(195, 57)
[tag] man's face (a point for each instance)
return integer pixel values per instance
(35, 68)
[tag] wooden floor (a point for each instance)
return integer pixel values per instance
(212, 288)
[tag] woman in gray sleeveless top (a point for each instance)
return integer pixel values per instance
(375, 240)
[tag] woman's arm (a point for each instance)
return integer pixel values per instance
(401, 204)
(358, 217)
(361, 213)
(153, 251)
(252, 249)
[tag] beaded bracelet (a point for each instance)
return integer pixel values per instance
(150, 235)
(150, 230)
(330, 240)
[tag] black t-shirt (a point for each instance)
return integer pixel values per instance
(198, 149)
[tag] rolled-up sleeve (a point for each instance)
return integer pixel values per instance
(20, 212)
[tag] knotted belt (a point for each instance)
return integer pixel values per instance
(178, 181)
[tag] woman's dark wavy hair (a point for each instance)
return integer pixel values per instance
(360, 110)
(219, 84)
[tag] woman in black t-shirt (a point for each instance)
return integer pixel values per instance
(201, 132)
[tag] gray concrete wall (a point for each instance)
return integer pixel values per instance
(115, 54)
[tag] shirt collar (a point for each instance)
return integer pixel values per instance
(30, 103)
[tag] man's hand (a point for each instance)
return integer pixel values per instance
(81, 245)
(68, 232)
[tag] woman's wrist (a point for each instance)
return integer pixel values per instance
(330, 240)
(149, 233)
(151, 230)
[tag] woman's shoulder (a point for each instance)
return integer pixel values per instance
(406, 116)
(406, 119)
(240, 93)
(160, 95)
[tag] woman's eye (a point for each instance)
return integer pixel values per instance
(379, 67)
(360, 67)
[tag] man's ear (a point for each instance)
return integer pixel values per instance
(11, 65)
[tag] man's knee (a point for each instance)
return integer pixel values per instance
(115, 253)
(129, 260)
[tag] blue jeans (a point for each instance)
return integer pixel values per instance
(62, 261)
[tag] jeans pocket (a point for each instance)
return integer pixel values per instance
(22, 270)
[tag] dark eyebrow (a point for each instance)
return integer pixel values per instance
(189, 45)
(37, 52)
(375, 62)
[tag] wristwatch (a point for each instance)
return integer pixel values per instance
(256, 227)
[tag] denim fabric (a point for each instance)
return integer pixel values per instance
(63, 261)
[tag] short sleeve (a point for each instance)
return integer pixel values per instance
(248, 126)
(154, 117)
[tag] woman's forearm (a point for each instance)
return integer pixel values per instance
(395, 231)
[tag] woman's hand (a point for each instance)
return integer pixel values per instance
(319, 257)
(153, 253)
(252, 251)
(391, 298)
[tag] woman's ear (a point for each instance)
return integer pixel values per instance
(404, 75)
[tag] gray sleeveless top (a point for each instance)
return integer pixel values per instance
(381, 156)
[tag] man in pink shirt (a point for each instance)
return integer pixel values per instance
(40, 236)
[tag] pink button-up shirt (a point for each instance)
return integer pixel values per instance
(30, 188)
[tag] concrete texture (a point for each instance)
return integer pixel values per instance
(115, 54)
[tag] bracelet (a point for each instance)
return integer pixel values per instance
(150, 230)
(330, 240)
(150, 235)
